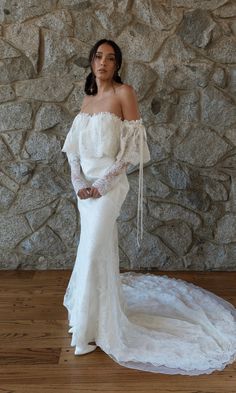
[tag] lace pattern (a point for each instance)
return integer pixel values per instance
(77, 178)
(111, 178)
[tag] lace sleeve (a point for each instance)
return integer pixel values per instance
(71, 148)
(77, 178)
(111, 177)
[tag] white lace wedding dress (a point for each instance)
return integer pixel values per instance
(142, 321)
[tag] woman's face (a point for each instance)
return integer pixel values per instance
(104, 62)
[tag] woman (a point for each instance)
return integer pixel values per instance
(146, 322)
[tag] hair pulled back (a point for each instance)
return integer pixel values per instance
(90, 83)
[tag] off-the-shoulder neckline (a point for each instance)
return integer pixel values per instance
(107, 113)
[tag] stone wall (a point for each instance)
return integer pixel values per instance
(180, 56)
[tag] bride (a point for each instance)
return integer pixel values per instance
(142, 321)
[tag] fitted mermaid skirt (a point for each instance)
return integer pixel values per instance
(142, 321)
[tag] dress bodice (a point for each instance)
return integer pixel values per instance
(98, 135)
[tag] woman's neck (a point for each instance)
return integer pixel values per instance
(104, 86)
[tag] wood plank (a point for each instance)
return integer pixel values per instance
(35, 351)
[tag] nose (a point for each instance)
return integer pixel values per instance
(103, 60)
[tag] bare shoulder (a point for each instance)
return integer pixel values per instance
(129, 103)
(126, 90)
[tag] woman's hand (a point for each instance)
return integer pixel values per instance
(90, 192)
(84, 193)
(94, 192)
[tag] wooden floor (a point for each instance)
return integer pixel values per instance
(35, 352)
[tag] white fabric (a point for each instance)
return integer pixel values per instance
(142, 321)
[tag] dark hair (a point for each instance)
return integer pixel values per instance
(90, 84)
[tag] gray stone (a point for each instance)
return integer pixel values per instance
(57, 51)
(15, 115)
(169, 211)
(154, 186)
(156, 15)
(196, 200)
(214, 173)
(9, 260)
(161, 110)
(129, 207)
(226, 11)
(5, 155)
(42, 242)
(45, 179)
(52, 116)
(190, 76)
(215, 189)
(6, 198)
(112, 20)
(206, 5)
(232, 80)
(14, 140)
(153, 252)
(20, 172)
(8, 182)
(58, 20)
(219, 77)
(223, 50)
(75, 4)
(172, 173)
(187, 109)
(232, 201)
(26, 38)
(45, 89)
(210, 217)
(64, 222)
(163, 135)
(226, 229)
(20, 11)
(7, 51)
(173, 54)
(42, 147)
(15, 69)
(229, 162)
(158, 153)
(6, 93)
(28, 199)
(129, 41)
(202, 147)
(76, 70)
(230, 262)
(12, 230)
(140, 76)
(218, 109)
(38, 217)
(82, 62)
(87, 27)
(60, 261)
(176, 235)
(233, 26)
(74, 100)
(206, 256)
(231, 135)
(196, 28)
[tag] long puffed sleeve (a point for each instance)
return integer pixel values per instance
(71, 148)
(133, 150)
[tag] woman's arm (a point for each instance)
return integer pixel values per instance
(129, 103)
